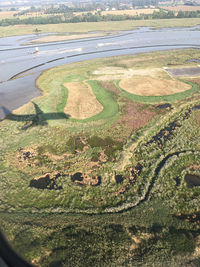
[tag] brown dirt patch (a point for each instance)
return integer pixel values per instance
(82, 102)
(149, 86)
(24, 156)
(51, 175)
(118, 73)
(112, 73)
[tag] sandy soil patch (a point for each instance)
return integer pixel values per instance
(117, 73)
(111, 71)
(58, 38)
(149, 86)
(129, 12)
(82, 102)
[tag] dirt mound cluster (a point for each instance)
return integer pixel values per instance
(84, 179)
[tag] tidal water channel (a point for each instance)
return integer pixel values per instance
(20, 65)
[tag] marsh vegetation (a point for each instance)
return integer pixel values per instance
(132, 156)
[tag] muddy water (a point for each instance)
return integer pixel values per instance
(192, 180)
(15, 58)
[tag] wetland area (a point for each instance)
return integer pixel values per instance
(102, 166)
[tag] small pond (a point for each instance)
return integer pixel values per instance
(192, 180)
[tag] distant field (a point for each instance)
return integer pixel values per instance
(10, 15)
(7, 14)
(182, 8)
(97, 26)
(132, 12)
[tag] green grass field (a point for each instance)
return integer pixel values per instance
(85, 27)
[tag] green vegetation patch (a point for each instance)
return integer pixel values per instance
(127, 138)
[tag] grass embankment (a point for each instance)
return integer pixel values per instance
(85, 27)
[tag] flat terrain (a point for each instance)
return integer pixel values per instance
(86, 27)
(118, 186)
(148, 86)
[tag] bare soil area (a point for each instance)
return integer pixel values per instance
(82, 102)
(117, 73)
(149, 86)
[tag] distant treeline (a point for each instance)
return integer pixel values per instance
(89, 17)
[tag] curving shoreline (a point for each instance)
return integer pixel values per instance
(122, 44)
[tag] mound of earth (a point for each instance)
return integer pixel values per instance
(149, 86)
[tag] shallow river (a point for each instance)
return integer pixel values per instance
(16, 56)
